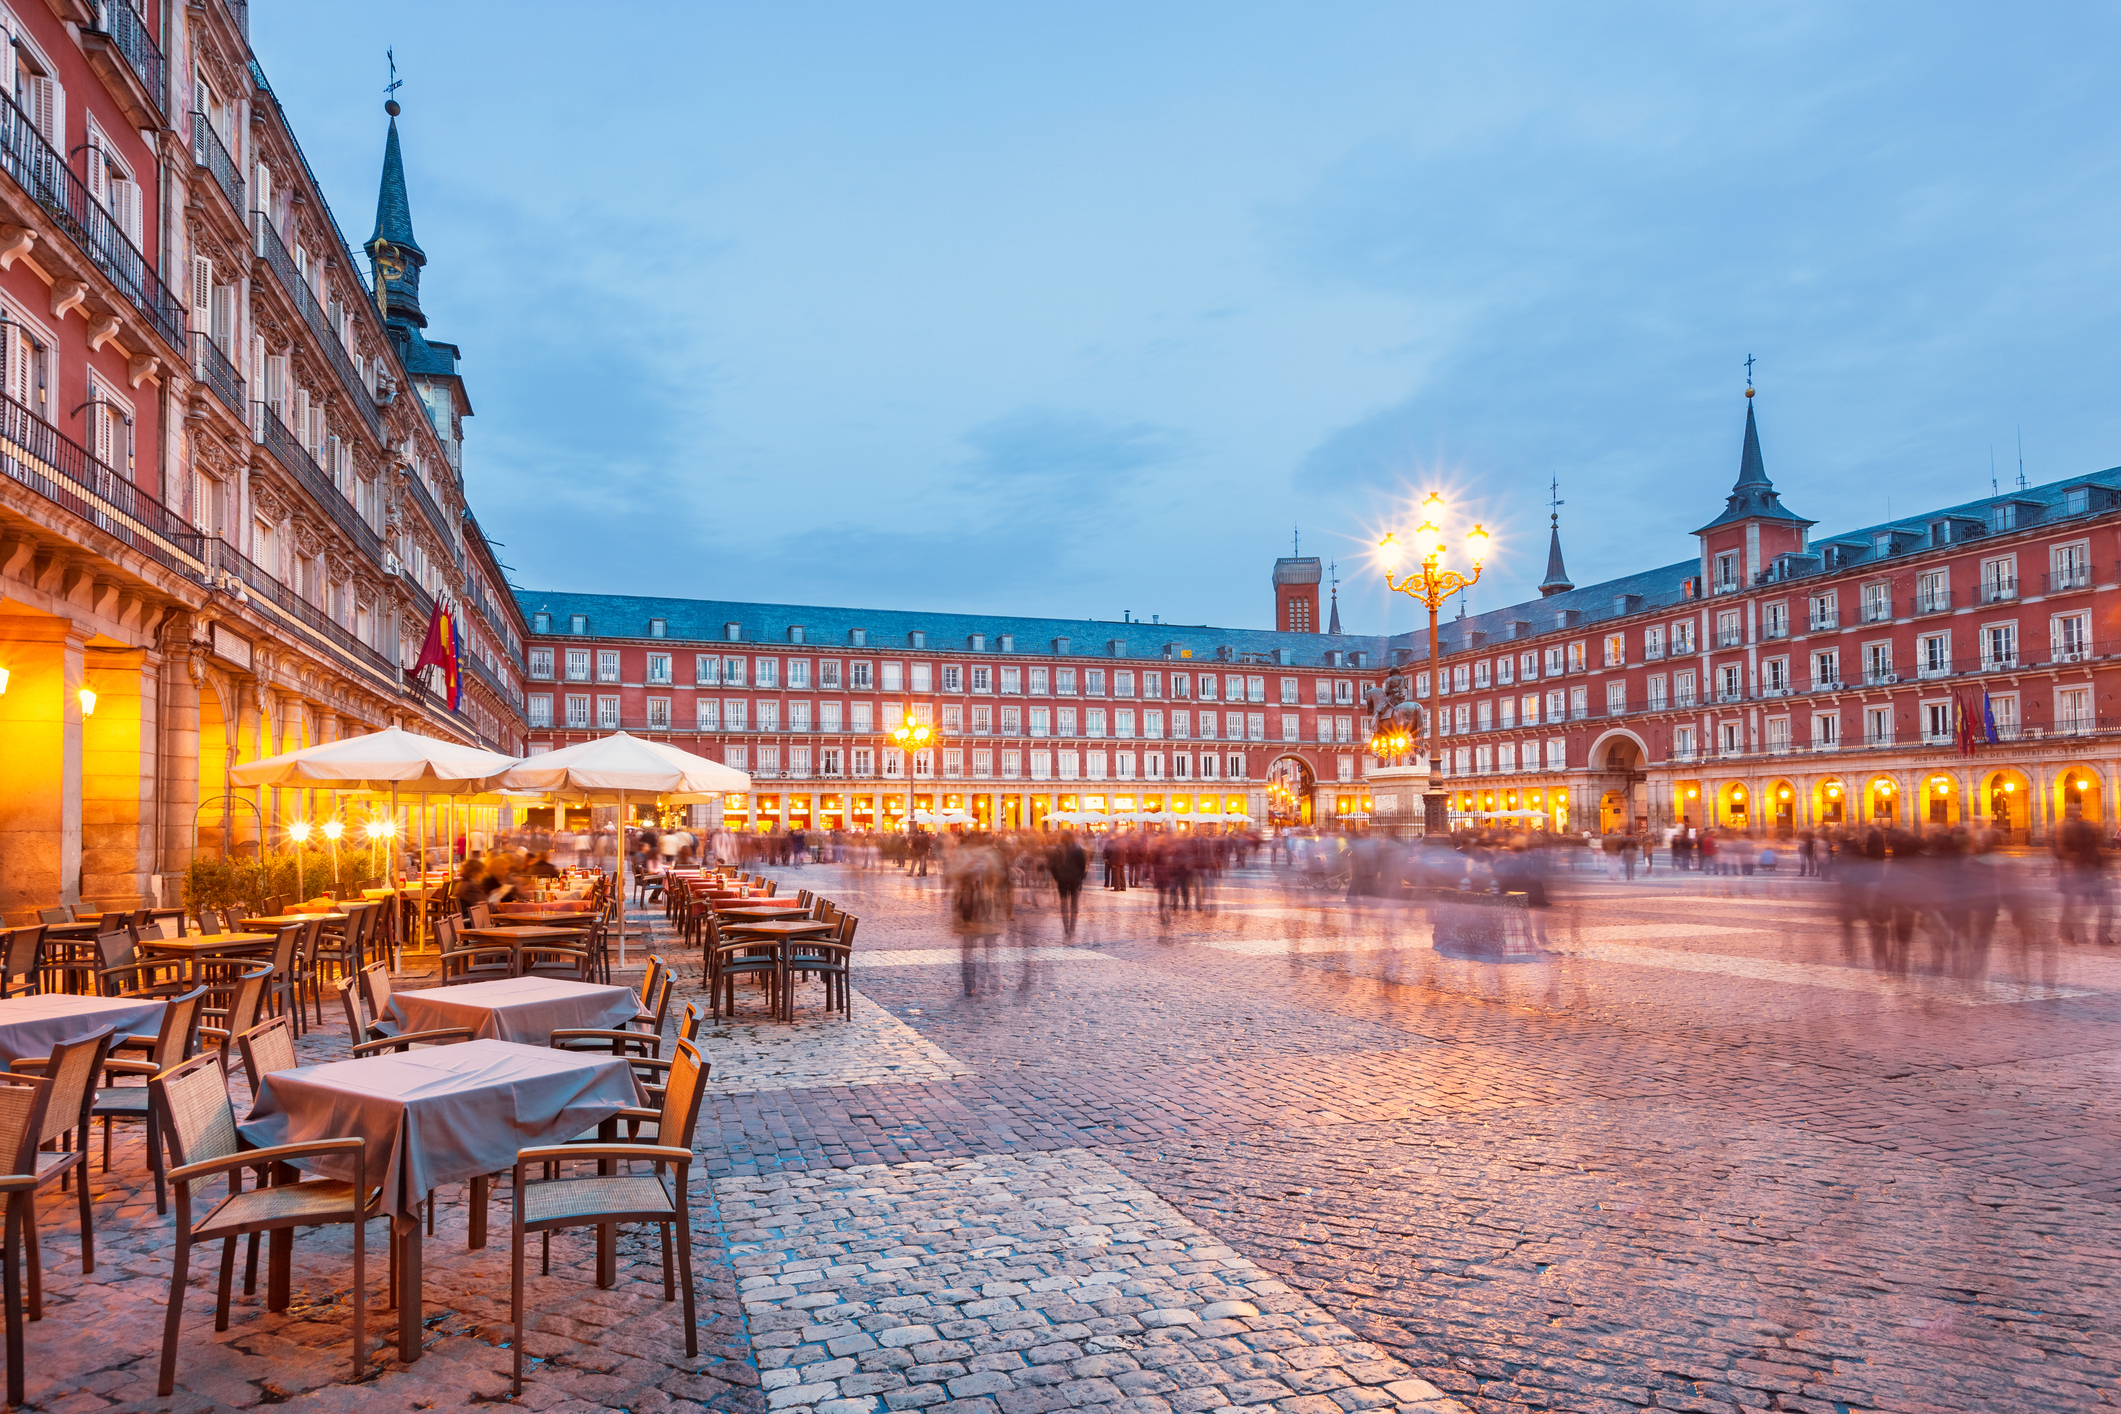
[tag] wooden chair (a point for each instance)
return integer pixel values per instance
(55, 915)
(282, 986)
(360, 1023)
(731, 958)
(552, 960)
(23, 1101)
(172, 1045)
(463, 961)
(209, 923)
(244, 1003)
(192, 1100)
(21, 960)
(831, 959)
(71, 1069)
(604, 1200)
(267, 1048)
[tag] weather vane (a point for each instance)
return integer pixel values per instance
(1748, 375)
(1554, 502)
(390, 90)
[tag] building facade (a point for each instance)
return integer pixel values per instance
(1035, 715)
(232, 488)
(1951, 668)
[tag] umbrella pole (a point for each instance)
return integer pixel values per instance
(618, 877)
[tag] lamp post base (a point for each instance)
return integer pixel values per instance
(1436, 813)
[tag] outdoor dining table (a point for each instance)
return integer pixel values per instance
(30, 1026)
(195, 948)
(522, 1009)
(761, 913)
(585, 917)
(289, 920)
(443, 1114)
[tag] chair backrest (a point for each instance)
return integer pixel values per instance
(357, 1018)
(25, 948)
(180, 1028)
(53, 916)
(446, 935)
(552, 960)
(23, 1102)
(649, 981)
(197, 1120)
(773, 887)
(682, 1093)
(662, 998)
(248, 1001)
(72, 1071)
(845, 936)
(268, 1048)
(804, 898)
(232, 919)
(689, 1024)
(209, 923)
(285, 947)
(481, 916)
(375, 989)
(116, 950)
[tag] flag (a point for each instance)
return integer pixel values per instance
(1988, 718)
(440, 651)
(1962, 726)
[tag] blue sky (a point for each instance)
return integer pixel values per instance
(1078, 309)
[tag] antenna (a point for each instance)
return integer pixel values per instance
(1993, 488)
(2021, 457)
(1296, 542)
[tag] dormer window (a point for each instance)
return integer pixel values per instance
(541, 623)
(2077, 500)
(656, 627)
(2003, 517)
(578, 624)
(733, 633)
(795, 633)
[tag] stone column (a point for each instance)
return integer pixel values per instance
(119, 776)
(179, 766)
(250, 745)
(40, 769)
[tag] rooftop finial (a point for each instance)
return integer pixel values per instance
(390, 90)
(1749, 375)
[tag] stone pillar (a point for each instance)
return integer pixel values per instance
(250, 745)
(119, 776)
(178, 788)
(40, 769)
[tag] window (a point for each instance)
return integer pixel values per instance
(1506, 757)
(1682, 743)
(1826, 669)
(2073, 710)
(1506, 713)
(578, 665)
(540, 662)
(1504, 671)
(1070, 765)
(1878, 726)
(2070, 566)
(2071, 635)
(1579, 703)
(953, 678)
(1730, 682)
(894, 677)
(1123, 722)
(1656, 698)
(1557, 706)
(1826, 731)
(1064, 683)
(828, 716)
(1181, 725)
(1207, 686)
(982, 720)
(799, 716)
(1323, 693)
(798, 674)
(733, 715)
(1778, 734)
(1683, 688)
(861, 675)
(706, 671)
(1937, 723)
(1933, 655)
(954, 762)
(659, 714)
(828, 761)
(1730, 629)
(2003, 708)
(1775, 621)
(1878, 663)
(1481, 680)
(659, 667)
(1776, 675)
(1577, 656)
(1557, 753)
(541, 709)
(1616, 699)
(1726, 572)
(707, 713)
(1933, 594)
(1040, 720)
(1012, 765)
(983, 679)
(861, 716)
(1255, 689)
(1683, 637)
(767, 672)
(1616, 650)
(578, 623)
(1123, 684)
(607, 665)
(828, 674)
(1730, 738)
(1461, 678)
(1531, 709)
(1462, 716)
(1064, 721)
(1153, 724)
(655, 628)
(1288, 692)
(607, 713)
(1529, 665)
(1256, 726)
(1094, 765)
(1234, 768)
(1999, 579)
(1094, 682)
(1877, 603)
(577, 709)
(924, 763)
(1041, 765)
(769, 715)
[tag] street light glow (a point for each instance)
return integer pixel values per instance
(298, 831)
(332, 829)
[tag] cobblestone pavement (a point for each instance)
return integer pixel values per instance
(1698, 1157)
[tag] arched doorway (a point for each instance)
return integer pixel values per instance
(1939, 801)
(1734, 806)
(1290, 790)
(1780, 808)
(1830, 803)
(2008, 794)
(2077, 792)
(1882, 801)
(1623, 804)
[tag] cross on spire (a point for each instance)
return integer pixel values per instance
(1748, 370)
(1554, 502)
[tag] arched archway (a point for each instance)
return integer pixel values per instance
(1623, 803)
(1778, 811)
(2078, 791)
(1881, 801)
(1291, 791)
(2007, 795)
(1735, 807)
(1938, 799)
(1831, 806)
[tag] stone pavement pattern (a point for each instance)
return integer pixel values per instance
(1025, 1284)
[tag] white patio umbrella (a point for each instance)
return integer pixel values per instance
(616, 769)
(380, 761)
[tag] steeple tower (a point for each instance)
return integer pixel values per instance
(1334, 625)
(397, 257)
(1557, 580)
(1753, 496)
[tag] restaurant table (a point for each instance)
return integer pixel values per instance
(192, 949)
(522, 1009)
(289, 920)
(31, 1026)
(761, 913)
(442, 1114)
(581, 916)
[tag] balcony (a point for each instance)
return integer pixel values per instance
(274, 253)
(1877, 738)
(1730, 638)
(1878, 611)
(36, 455)
(52, 185)
(1729, 697)
(1933, 601)
(434, 514)
(1999, 663)
(1880, 677)
(1776, 630)
(207, 150)
(127, 59)
(1928, 671)
(1820, 684)
(2066, 578)
(291, 455)
(1824, 623)
(211, 367)
(1999, 591)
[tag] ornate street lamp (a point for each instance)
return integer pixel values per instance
(1431, 584)
(913, 736)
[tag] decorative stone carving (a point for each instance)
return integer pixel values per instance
(142, 368)
(15, 242)
(66, 295)
(102, 329)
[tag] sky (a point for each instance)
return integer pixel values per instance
(1084, 310)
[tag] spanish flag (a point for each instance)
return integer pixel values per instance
(440, 651)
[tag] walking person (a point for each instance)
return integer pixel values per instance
(1068, 865)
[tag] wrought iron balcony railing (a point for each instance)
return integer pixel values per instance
(129, 36)
(212, 368)
(434, 516)
(37, 455)
(37, 168)
(296, 459)
(274, 251)
(209, 152)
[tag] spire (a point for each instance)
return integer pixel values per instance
(1334, 625)
(1557, 580)
(396, 256)
(1753, 496)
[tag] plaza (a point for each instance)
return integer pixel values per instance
(1280, 1152)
